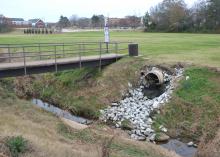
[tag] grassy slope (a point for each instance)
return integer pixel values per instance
(47, 136)
(202, 49)
(82, 91)
(196, 108)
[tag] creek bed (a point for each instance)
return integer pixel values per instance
(180, 148)
(59, 112)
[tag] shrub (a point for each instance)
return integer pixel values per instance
(16, 145)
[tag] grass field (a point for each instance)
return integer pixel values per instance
(200, 49)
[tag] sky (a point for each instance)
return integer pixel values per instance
(50, 10)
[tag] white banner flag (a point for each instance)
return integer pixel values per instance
(106, 31)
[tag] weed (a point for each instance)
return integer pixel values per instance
(16, 145)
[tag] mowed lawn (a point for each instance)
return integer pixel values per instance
(200, 49)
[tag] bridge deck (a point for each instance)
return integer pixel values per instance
(16, 65)
(34, 67)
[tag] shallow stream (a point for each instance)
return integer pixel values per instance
(59, 112)
(180, 148)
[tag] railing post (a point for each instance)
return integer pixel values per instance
(9, 54)
(63, 51)
(106, 47)
(80, 57)
(39, 50)
(100, 56)
(24, 57)
(55, 57)
(116, 51)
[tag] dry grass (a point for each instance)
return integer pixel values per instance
(210, 149)
(40, 129)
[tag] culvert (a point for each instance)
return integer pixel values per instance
(154, 77)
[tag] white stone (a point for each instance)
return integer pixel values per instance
(190, 144)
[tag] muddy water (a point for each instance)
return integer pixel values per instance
(59, 112)
(180, 148)
(154, 91)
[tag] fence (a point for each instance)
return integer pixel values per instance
(46, 51)
(31, 57)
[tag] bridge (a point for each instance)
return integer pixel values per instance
(26, 59)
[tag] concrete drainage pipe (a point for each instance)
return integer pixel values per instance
(154, 77)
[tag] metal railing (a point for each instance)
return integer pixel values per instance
(11, 53)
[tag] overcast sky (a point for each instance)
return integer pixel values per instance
(50, 10)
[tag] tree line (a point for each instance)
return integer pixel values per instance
(175, 16)
(97, 21)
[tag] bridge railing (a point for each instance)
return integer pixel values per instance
(11, 53)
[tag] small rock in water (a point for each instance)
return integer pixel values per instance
(190, 144)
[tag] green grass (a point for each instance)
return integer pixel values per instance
(81, 91)
(61, 88)
(130, 151)
(82, 135)
(16, 145)
(195, 106)
(201, 49)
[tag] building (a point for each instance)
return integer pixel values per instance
(5, 20)
(1, 19)
(37, 23)
(19, 22)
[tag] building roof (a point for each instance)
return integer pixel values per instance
(16, 19)
(33, 20)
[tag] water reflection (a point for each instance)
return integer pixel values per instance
(180, 148)
(59, 112)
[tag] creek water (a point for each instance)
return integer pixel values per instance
(59, 112)
(180, 148)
